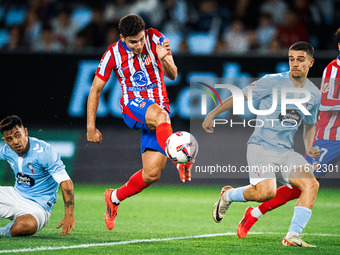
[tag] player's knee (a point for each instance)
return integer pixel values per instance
(309, 185)
(152, 176)
(162, 117)
(23, 228)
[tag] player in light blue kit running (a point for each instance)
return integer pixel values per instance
(38, 172)
(269, 152)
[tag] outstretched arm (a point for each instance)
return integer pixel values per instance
(226, 105)
(93, 134)
(68, 196)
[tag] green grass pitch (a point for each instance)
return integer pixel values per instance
(161, 212)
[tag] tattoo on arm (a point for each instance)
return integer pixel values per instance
(69, 198)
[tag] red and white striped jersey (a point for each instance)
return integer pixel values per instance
(139, 75)
(328, 127)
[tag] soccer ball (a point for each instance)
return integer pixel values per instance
(181, 147)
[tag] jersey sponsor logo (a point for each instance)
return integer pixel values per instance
(139, 78)
(151, 86)
(24, 179)
(291, 119)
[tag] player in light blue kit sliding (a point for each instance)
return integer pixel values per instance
(269, 152)
(38, 172)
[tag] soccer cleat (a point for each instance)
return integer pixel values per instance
(221, 206)
(184, 170)
(295, 241)
(246, 223)
(111, 210)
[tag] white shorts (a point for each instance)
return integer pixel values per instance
(13, 205)
(264, 164)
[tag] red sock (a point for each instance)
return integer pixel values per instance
(163, 131)
(135, 185)
(283, 195)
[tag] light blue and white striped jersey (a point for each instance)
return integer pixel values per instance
(36, 172)
(276, 131)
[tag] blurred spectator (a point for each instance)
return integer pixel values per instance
(207, 17)
(275, 46)
(47, 41)
(236, 38)
(79, 45)
(16, 39)
(175, 16)
(150, 10)
(292, 31)
(115, 10)
(265, 30)
(247, 11)
(32, 27)
(96, 29)
(310, 15)
(253, 44)
(63, 28)
(112, 34)
(276, 8)
(221, 46)
(183, 47)
(45, 8)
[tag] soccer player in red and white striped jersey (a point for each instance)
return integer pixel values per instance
(140, 59)
(327, 138)
(328, 127)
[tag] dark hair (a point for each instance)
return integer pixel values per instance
(304, 46)
(337, 34)
(10, 122)
(131, 25)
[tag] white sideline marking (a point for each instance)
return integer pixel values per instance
(145, 241)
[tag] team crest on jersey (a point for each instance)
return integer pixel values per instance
(139, 78)
(325, 88)
(146, 59)
(142, 104)
(30, 167)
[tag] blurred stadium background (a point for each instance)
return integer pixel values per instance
(49, 50)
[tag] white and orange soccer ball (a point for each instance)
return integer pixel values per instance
(181, 147)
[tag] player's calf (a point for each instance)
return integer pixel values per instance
(261, 192)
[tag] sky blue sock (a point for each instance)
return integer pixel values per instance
(6, 231)
(236, 195)
(300, 219)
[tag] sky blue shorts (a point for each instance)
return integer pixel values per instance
(134, 116)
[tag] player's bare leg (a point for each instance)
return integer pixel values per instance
(251, 215)
(153, 164)
(304, 179)
(24, 225)
(262, 191)
(157, 118)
